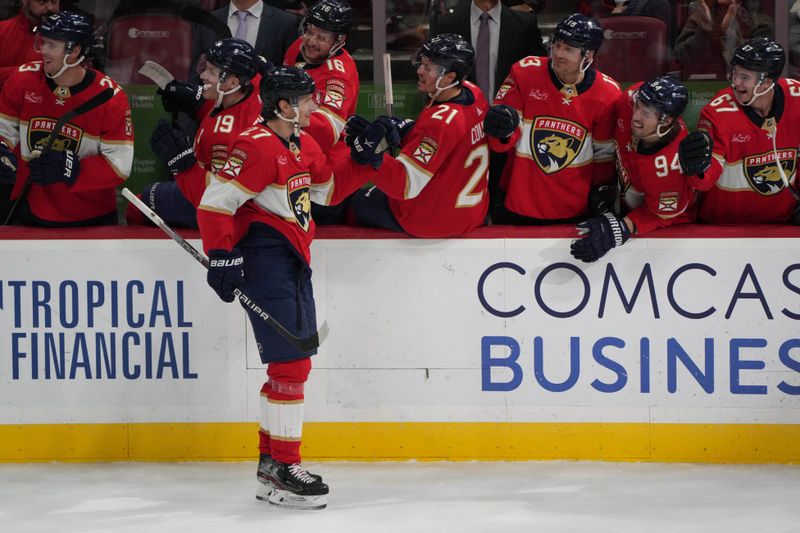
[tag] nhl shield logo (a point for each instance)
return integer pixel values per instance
(555, 142)
(762, 171)
(299, 196)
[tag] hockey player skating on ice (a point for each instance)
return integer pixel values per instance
(654, 191)
(72, 183)
(436, 186)
(256, 226)
(561, 157)
(744, 154)
(230, 104)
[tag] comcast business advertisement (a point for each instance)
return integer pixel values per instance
(660, 330)
(462, 330)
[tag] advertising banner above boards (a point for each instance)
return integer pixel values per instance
(480, 330)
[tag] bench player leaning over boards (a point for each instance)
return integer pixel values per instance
(73, 184)
(227, 103)
(437, 185)
(561, 155)
(744, 155)
(654, 193)
(320, 51)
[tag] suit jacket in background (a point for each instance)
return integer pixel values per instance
(519, 36)
(277, 30)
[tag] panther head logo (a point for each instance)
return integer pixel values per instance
(299, 197)
(556, 150)
(763, 173)
(556, 142)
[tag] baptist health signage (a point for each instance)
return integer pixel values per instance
(426, 336)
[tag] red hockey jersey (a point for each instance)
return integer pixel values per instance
(267, 180)
(336, 80)
(437, 184)
(30, 105)
(16, 34)
(743, 184)
(216, 132)
(565, 143)
(653, 189)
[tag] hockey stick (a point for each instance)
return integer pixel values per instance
(387, 87)
(95, 101)
(303, 344)
(161, 77)
(782, 174)
(158, 74)
(206, 19)
(388, 93)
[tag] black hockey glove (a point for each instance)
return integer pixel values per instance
(225, 272)
(8, 165)
(392, 138)
(354, 127)
(182, 96)
(599, 235)
(172, 146)
(602, 199)
(501, 121)
(694, 153)
(366, 146)
(55, 167)
(403, 125)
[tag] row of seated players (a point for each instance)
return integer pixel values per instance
(566, 125)
(558, 117)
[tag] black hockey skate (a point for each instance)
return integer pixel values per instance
(262, 474)
(264, 489)
(293, 486)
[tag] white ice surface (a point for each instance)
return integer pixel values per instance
(410, 497)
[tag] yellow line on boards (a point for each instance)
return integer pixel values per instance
(426, 441)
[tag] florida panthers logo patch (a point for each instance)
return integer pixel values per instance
(426, 150)
(503, 90)
(334, 94)
(762, 171)
(668, 202)
(555, 142)
(40, 129)
(232, 167)
(298, 193)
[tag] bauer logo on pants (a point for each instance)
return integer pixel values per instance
(763, 174)
(555, 142)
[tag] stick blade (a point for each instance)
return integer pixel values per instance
(202, 17)
(157, 73)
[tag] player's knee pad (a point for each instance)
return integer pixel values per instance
(289, 378)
